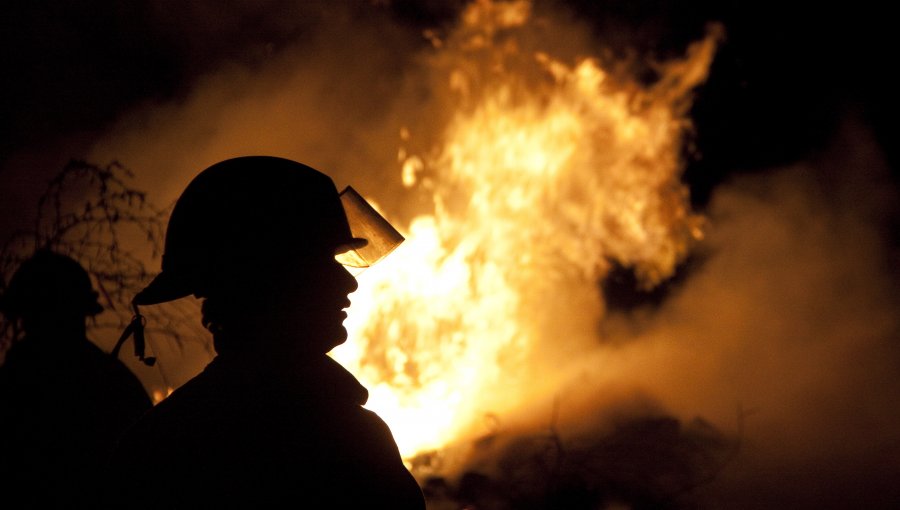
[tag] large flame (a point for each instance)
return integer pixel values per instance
(546, 173)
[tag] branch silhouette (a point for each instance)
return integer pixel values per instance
(97, 216)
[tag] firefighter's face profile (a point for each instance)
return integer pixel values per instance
(311, 293)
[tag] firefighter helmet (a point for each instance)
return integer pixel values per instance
(247, 213)
(50, 282)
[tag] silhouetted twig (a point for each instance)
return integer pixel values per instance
(95, 215)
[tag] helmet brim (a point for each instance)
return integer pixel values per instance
(168, 287)
(165, 287)
(354, 243)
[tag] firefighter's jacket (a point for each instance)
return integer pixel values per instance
(244, 435)
(63, 403)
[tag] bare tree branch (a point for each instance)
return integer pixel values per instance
(95, 215)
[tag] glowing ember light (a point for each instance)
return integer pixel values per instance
(159, 396)
(545, 174)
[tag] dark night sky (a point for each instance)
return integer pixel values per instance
(783, 78)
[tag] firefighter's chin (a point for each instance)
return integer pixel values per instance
(333, 335)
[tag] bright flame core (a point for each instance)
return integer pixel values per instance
(545, 173)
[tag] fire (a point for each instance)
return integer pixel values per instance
(545, 173)
(159, 395)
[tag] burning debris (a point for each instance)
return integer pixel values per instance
(548, 170)
(652, 462)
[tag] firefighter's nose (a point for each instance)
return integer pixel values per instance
(348, 281)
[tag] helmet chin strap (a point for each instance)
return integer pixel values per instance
(136, 328)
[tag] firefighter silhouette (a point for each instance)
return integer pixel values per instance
(272, 420)
(63, 401)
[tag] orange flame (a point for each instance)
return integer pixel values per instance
(546, 172)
